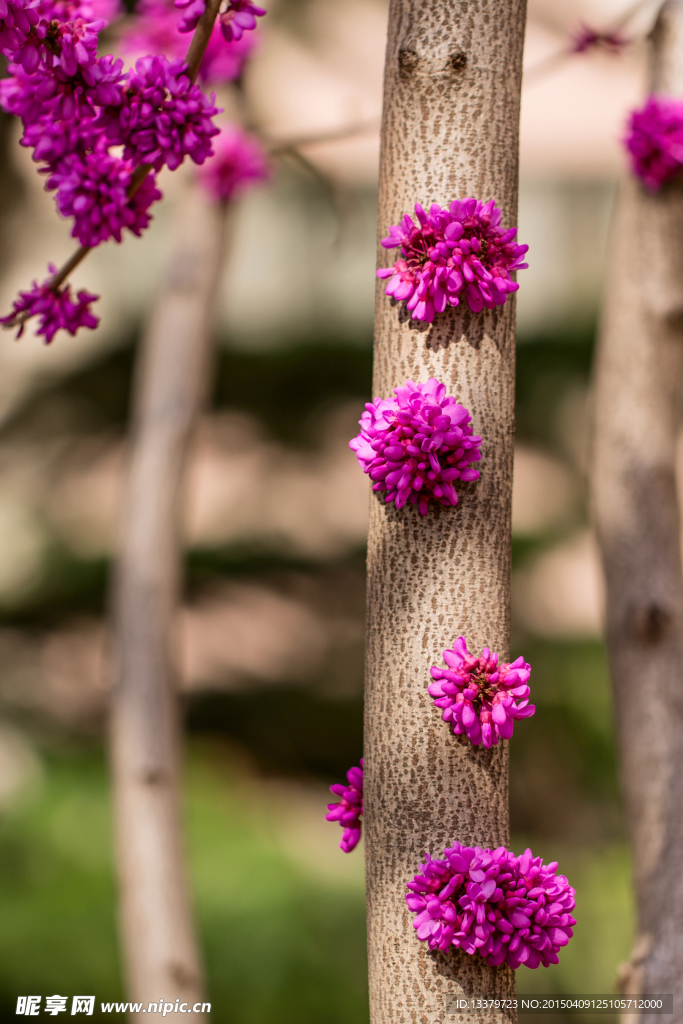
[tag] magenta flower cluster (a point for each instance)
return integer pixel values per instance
(415, 446)
(480, 698)
(349, 810)
(509, 909)
(460, 251)
(94, 190)
(163, 117)
(240, 161)
(56, 309)
(238, 17)
(655, 141)
(79, 110)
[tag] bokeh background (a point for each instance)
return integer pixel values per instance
(271, 630)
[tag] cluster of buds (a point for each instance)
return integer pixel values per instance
(460, 251)
(416, 445)
(479, 697)
(349, 810)
(506, 908)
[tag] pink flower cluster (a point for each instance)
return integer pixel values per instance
(415, 446)
(479, 697)
(509, 909)
(163, 117)
(460, 251)
(239, 17)
(56, 309)
(655, 141)
(239, 162)
(349, 810)
(78, 108)
(155, 28)
(94, 189)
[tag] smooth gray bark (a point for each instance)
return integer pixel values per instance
(637, 418)
(450, 129)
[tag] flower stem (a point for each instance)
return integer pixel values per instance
(200, 39)
(70, 265)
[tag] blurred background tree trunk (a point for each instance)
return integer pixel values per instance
(450, 129)
(160, 949)
(637, 418)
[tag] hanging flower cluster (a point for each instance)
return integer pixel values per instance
(57, 310)
(479, 697)
(95, 189)
(506, 908)
(655, 141)
(99, 133)
(415, 446)
(163, 117)
(460, 251)
(349, 810)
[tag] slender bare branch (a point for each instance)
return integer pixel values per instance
(201, 37)
(277, 147)
(160, 947)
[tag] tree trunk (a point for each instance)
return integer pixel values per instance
(637, 402)
(450, 129)
(160, 950)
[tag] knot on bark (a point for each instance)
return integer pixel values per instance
(649, 623)
(408, 61)
(440, 64)
(155, 777)
(184, 976)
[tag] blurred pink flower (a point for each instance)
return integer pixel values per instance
(587, 38)
(155, 28)
(239, 162)
(655, 141)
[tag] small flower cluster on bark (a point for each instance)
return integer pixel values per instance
(349, 810)
(416, 445)
(509, 909)
(460, 251)
(480, 698)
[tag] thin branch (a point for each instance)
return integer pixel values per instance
(201, 37)
(278, 148)
(537, 71)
